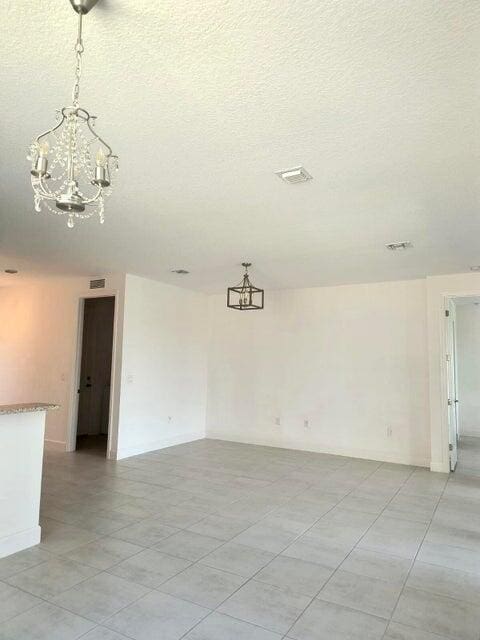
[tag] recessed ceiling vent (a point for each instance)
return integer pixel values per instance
(97, 284)
(295, 175)
(399, 246)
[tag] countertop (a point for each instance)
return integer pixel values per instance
(28, 407)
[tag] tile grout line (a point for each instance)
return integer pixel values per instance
(100, 571)
(356, 544)
(217, 512)
(280, 553)
(415, 557)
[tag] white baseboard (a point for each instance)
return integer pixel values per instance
(146, 447)
(19, 541)
(364, 454)
(440, 467)
(55, 445)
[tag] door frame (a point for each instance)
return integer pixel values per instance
(452, 384)
(448, 299)
(114, 381)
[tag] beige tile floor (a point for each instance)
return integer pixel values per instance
(220, 541)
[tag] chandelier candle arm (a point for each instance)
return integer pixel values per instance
(70, 163)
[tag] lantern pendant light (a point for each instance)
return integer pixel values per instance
(244, 296)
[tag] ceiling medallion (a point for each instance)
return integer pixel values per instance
(245, 297)
(72, 165)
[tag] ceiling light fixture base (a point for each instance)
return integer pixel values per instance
(83, 6)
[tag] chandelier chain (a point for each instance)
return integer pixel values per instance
(79, 49)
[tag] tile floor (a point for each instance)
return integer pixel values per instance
(220, 541)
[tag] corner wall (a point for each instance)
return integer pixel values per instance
(164, 367)
(350, 360)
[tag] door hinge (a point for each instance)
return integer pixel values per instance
(447, 313)
(450, 447)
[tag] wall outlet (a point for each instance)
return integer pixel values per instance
(389, 432)
(306, 423)
(277, 421)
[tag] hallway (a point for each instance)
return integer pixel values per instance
(468, 456)
(214, 540)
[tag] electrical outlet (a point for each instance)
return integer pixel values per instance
(306, 423)
(389, 432)
(277, 421)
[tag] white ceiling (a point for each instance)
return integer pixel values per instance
(205, 100)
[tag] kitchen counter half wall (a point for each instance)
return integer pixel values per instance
(22, 430)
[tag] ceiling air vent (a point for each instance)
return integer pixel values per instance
(97, 284)
(295, 175)
(399, 246)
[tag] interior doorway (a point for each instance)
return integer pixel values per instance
(463, 384)
(95, 374)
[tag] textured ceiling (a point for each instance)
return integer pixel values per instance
(205, 100)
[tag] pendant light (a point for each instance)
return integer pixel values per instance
(245, 297)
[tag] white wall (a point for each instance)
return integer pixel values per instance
(352, 360)
(468, 367)
(164, 369)
(38, 346)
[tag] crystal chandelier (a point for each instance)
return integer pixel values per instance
(71, 164)
(245, 297)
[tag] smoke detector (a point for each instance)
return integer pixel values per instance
(180, 272)
(295, 175)
(399, 246)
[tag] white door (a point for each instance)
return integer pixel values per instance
(452, 385)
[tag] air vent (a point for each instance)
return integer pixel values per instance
(97, 284)
(181, 272)
(295, 175)
(399, 246)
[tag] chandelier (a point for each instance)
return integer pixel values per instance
(71, 164)
(245, 297)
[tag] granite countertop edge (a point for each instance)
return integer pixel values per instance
(28, 407)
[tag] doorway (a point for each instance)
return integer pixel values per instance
(95, 375)
(463, 383)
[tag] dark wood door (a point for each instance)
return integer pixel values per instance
(96, 366)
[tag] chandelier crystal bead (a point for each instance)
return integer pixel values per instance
(71, 165)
